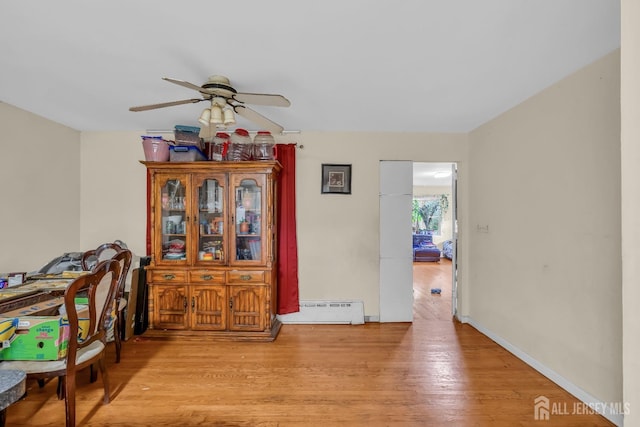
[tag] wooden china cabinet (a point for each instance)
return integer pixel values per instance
(213, 235)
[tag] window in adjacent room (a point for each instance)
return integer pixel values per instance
(428, 213)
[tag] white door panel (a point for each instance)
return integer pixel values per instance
(394, 242)
(396, 177)
(396, 298)
(396, 255)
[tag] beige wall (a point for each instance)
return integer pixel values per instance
(40, 172)
(113, 190)
(95, 189)
(546, 278)
(630, 129)
(338, 235)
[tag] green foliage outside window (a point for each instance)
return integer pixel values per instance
(428, 213)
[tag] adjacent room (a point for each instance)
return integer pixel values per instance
(197, 209)
(433, 217)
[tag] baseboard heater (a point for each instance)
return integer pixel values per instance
(330, 312)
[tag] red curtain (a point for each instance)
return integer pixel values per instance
(288, 300)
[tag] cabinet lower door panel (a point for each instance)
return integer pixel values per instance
(209, 308)
(247, 308)
(170, 307)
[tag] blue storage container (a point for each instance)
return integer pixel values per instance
(186, 153)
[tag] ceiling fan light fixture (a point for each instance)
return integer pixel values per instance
(205, 117)
(216, 115)
(228, 117)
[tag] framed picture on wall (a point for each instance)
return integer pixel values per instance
(336, 179)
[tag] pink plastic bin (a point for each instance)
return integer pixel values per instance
(155, 148)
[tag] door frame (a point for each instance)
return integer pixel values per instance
(385, 285)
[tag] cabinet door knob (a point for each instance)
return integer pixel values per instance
(206, 277)
(245, 277)
(169, 276)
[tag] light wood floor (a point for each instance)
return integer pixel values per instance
(434, 372)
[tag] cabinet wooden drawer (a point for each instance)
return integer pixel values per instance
(207, 276)
(168, 276)
(241, 276)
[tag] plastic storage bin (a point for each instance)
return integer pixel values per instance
(184, 153)
(187, 135)
(155, 149)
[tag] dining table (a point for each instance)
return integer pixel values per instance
(12, 388)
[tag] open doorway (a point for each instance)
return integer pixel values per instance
(397, 293)
(434, 227)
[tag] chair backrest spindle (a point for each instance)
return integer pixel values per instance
(123, 256)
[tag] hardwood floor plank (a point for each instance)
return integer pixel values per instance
(433, 372)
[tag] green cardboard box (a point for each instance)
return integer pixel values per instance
(38, 338)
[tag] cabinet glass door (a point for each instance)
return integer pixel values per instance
(174, 204)
(210, 220)
(248, 222)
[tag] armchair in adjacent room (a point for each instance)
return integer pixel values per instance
(424, 249)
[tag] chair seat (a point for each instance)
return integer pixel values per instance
(40, 366)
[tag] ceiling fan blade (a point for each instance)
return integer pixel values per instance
(258, 119)
(165, 104)
(184, 84)
(262, 99)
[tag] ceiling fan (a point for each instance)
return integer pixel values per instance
(224, 99)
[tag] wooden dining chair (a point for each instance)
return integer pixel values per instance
(124, 256)
(87, 344)
(103, 252)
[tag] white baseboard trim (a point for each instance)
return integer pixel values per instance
(607, 410)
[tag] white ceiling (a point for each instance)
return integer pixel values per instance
(345, 65)
(432, 174)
